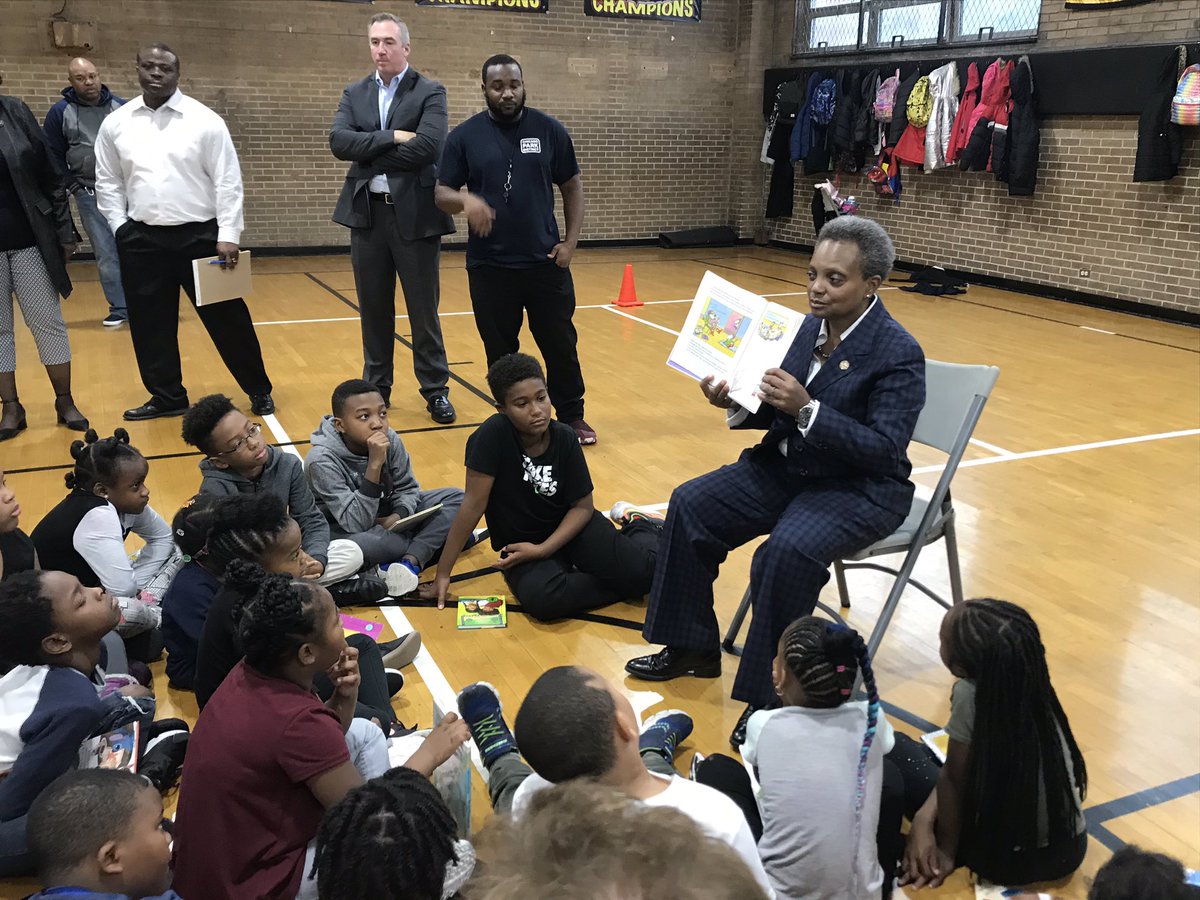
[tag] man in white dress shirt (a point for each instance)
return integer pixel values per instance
(168, 182)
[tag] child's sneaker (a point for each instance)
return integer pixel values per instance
(402, 578)
(665, 731)
(584, 432)
(624, 512)
(697, 759)
(479, 705)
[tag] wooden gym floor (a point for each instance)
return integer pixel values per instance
(1080, 498)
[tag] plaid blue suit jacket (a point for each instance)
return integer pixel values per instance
(871, 390)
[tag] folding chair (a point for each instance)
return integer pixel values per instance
(954, 399)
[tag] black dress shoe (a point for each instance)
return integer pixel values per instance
(261, 404)
(672, 662)
(441, 410)
(737, 737)
(153, 409)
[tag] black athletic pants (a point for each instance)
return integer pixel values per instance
(374, 701)
(501, 296)
(599, 566)
(156, 261)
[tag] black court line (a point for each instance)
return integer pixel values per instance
(485, 397)
(185, 454)
(802, 284)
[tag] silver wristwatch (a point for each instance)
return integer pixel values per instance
(804, 414)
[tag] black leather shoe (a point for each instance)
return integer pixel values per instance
(153, 409)
(361, 591)
(737, 737)
(261, 404)
(441, 410)
(673, 662)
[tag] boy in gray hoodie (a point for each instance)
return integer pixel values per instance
(239, 461)
(362, 479)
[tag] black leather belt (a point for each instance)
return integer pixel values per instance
(382, 198)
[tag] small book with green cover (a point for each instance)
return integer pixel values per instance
(482, 612)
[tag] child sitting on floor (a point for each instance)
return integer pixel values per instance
(526, 471)
(85, 535)
(17, 553)
(51, 703)
(357, 845)
(1009, 799)
(238, 461)
(186, 603)
(574, 724)
(362, 478)
(98, 834)
(819, 816)
(268, 757)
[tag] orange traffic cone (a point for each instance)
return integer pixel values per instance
(628, 295)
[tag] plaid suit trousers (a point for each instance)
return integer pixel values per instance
(810, 523)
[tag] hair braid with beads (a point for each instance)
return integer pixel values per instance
(99, 460)
(391, 837)
(1022, 748)
(273, 614)
(825, 658)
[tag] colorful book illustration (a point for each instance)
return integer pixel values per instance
(939, 742)
(355, 625)
(114, 750)
(482, 612)
(734, 336)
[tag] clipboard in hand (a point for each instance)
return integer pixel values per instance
(216, 283)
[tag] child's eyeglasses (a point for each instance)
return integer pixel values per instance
(254, 430)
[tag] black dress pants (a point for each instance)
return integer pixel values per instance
(500, 297)
(378, 254)
(156, 261)
(598, 566)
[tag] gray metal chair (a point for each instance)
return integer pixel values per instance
(954, 399)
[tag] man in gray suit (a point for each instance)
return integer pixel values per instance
(391, 125)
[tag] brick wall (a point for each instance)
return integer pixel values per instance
(646, 102)
(1137, 242)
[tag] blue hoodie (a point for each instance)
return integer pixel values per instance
(71, 128)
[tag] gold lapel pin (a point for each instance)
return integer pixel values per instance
(844, 365)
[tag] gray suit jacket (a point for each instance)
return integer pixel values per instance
(411, 168)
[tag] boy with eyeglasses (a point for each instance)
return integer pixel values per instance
(239, 461)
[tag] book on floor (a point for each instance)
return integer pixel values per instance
(734, 336)
(114, 750)
(354, 625)
(482, 612)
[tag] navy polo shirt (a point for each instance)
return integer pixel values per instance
(478, 153)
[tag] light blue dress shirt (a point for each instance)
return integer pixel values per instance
(387, 92)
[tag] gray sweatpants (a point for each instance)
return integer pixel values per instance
(423, 542)
(506, 773)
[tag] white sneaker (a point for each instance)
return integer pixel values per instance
(401, 580)
(622, 508)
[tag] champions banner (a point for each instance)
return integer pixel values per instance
(525, 6)
(673, 10)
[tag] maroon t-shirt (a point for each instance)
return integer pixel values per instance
(245, 814)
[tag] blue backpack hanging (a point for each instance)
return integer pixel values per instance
(824, 102)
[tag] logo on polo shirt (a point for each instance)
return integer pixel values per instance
(531, 145)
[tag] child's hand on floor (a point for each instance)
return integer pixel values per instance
(450, 734)
(438, 589)
(345, 675)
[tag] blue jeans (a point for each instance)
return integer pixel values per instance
(104, 245)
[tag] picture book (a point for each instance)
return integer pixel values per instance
(735, 336)
(114, 750)
(409, 521)
(353, 624)
(939, 742)
(482, 612)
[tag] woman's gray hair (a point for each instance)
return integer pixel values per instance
(876, 253)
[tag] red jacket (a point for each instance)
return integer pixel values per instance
(960, 131)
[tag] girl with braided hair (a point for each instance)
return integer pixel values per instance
(1008, 802)
(819, 764)
(85, 536)
(268, 757)
(392, 838)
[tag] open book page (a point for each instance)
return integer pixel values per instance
(114, 750)
(765, 349)
(719, 322)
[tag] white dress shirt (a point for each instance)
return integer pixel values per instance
(379, 184)
(736, 414)
(168, 166)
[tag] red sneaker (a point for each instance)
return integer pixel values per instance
(584, 432)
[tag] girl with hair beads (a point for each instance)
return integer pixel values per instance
(819, 763)
(85, 536)
(248, 536)
(268, 758)
(1009, 799)
(392, 837)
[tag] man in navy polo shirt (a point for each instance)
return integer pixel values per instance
(510, 157)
